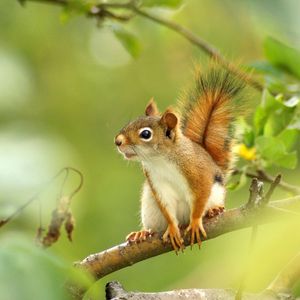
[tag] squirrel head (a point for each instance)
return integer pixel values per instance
(149, 136)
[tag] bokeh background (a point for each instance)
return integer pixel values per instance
(66, 88)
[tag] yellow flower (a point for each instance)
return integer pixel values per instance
(247, 153)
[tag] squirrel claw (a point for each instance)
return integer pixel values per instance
(214, 211)
(196, 227)
(173, 235)
(139, 236)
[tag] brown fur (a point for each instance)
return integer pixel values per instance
(208, 113)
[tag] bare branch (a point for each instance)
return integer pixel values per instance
(115, 291)
(124, 255)
(273, 186)
(201, 44)
(262, 175)
(256, 198)
(265, 177)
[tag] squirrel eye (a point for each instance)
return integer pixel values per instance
(145, 134)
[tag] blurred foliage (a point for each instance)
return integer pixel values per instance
(23, 276)
(65, 90)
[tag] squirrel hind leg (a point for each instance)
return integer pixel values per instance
(216, 202)
(214, 211)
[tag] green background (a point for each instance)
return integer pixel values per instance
(65, 91)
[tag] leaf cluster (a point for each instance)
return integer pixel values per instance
(273, 133)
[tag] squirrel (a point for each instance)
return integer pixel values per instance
(186, 156)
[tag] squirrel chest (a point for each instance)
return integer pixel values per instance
(171, 186)
(174, 191)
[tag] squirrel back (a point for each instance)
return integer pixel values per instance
(208, 113)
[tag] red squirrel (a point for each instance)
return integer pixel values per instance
(186, 155)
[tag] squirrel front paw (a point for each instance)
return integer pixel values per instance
(139, 236)
(173, 235)
(196, 228)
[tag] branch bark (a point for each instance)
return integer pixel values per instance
(124, 255)
(280, 288)
(256, 211)
(115, 291)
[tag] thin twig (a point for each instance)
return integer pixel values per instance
(273, 186)
(42, 189)
(265, 177)
(201, 44)
(262, 175)
(256, 196)
(103, 10)
(256, 190)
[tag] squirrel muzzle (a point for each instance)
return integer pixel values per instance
(123, 147)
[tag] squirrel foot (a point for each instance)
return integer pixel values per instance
(214, 211)
(196, 227)
(173, 235)
(139, 236)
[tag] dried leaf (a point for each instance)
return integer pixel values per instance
(69, 225)
(58, 218)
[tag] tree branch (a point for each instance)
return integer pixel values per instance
(256, 211)
(262, 175)
(102, 11)
(115, 291)
(124, 255)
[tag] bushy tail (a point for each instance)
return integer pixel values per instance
(209, 111)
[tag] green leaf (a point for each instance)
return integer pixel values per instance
(282, 56)
(268, 104)
(78, 6)
(278, 121)
(128, 40)
(73, 8)
(288, 160)
(162, 3)
(246, 131)
(260, 118)
(265, 67)
(289, 138)
(273, 115)
(273, 150)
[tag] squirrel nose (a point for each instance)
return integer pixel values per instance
(119, 140)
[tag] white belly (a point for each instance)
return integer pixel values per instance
(175, 195)
(172, 188)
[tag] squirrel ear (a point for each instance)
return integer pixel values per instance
(151, 108)
(169, 119)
